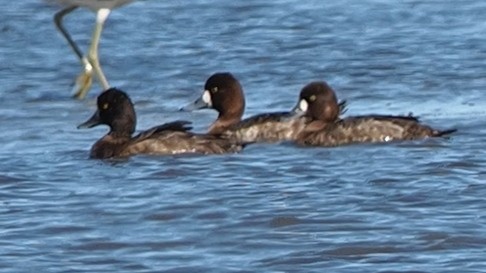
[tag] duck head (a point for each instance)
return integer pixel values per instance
(318, 101)
(223, 93)
(115, 109)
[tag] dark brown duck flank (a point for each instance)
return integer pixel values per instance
(115, 109)
(223, 92)
(318, 102)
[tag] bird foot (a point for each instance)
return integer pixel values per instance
(83, 83)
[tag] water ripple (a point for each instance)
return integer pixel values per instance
(401, 207)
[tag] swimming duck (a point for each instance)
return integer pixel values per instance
(224, 93)
(116, 110)
(318, 102)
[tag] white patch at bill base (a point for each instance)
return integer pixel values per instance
(303, 105)
(206, 97)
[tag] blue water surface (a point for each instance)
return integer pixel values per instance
(400, 207)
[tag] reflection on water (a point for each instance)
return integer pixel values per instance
(403, 207)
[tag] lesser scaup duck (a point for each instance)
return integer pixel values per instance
(223, 92)
(116, 110)
(318, 102)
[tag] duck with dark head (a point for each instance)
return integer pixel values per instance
(115, 109)
(318, 102)
(224, 93)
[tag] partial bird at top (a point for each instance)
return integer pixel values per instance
(89, 61)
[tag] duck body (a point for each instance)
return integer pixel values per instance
(367, 129)
(170, 140)
(268, 127)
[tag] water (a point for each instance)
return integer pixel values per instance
(404, 207)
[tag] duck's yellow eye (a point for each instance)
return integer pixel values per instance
(214, 90)
(105, 106)
(312, 98)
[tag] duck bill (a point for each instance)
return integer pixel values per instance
(91, 122)
(201, 103)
